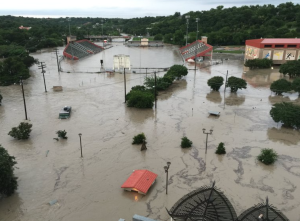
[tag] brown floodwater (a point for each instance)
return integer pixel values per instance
(88, 188)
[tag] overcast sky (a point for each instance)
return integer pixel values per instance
(117, 8)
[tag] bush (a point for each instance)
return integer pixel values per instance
(22, 132)
(259, 63)
(140, 99)
(215, 82)
(162, 83)
(280, 86)
(8, 181)
(267, 156)
(138, 139)
(236, 83)
(221, 149)
(185, 142)
(62, 134)
(286, 113)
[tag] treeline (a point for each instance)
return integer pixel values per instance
(222, 26)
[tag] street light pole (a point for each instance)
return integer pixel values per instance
(80, 143)
(166, 171)
(187, 27)
(125, 85)
(210, 132)
(21, 82)
(155, 90)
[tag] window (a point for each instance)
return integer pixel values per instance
(292, 46)
(279, 46)
(268, 46)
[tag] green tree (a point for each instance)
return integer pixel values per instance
(221, 149)
(290, 68)
(215, 82)
(140, 99)
(280, 86)
(236, 83)
(295, 85)
(138, 139)
(185, 142)
(62, 134)
(267, 156)
(10, 71)
(158, 37)
(22, 132)
(8, 181)
(287, 114)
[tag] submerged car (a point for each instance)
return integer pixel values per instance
(65, 112)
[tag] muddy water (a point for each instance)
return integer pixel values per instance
(88, 188)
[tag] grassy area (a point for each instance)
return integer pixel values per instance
(138, 39)
(230, 52)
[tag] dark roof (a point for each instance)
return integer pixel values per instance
(266, 211)
(205, 203)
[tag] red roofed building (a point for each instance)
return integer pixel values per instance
(279, 50)
(140, 181)
(27, 28)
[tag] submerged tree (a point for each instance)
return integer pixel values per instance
(296, 85)
(236, 83)
(185, 142)
(221, 149)
(62, 134)
(8, 181)
(290, 68)
(287, 114)
(139, 139)
(280, 86)
(215, 82)
(21, 132)
(267, 156)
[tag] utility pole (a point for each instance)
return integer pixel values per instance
(225, 88)
(125, 85)
(80, 134)
(21, 82)
(155, 90)
(187, 27)
(197, 19)
(56, 50)
(42, 66)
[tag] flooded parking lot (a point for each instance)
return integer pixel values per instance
(88, 188)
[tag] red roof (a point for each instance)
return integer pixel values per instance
(140, 180)
(260, 43)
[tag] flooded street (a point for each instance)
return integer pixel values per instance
(88, 188)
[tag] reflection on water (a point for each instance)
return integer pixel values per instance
(234, 100)
(287, 136)
(177, 86)
(278, 99)
(214, 96)
(262, 77)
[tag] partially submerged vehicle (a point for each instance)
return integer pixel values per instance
(65, 112)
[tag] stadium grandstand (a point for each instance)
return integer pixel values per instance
(79, 49)
(198, 48)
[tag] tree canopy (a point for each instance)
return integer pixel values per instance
(280, 86)
(8, 181)
(287, 114)
(290, 68)
(236, 83)
(215, 82)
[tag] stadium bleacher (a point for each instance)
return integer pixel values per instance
(81, 49)
(189, 50)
